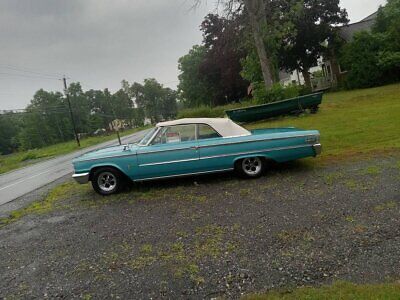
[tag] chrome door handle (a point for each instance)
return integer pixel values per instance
(194, 147)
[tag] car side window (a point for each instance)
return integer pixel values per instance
(207, 132)
(175, 134)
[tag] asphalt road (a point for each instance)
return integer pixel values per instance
(23, 181)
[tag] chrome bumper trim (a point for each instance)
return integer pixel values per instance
(81, 178)
(318, 149)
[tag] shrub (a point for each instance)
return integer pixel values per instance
(361, 58)
(277, 92)
(202, 112)
(211, 112)
(30, 155)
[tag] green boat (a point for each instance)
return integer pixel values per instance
(275, 109)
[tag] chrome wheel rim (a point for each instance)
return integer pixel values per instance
(107, 181)
(252, 166)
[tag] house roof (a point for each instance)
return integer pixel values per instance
(225, 127)
(371, 17)
(347, 32)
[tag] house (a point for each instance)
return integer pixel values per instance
(329, 68)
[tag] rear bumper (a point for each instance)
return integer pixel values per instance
(317, 149)
(81, 178)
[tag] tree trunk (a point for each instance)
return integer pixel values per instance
(307, 78)
(256, 12)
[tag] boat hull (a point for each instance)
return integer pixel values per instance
(275, 109)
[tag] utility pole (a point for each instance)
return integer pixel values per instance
(70, 111)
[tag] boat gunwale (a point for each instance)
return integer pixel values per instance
(277, 102)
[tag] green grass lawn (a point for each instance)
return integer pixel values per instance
(359, 122)
(351, 123)
(24, 158)
(337, 291)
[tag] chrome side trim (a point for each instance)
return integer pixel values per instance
(81, 178)
(105, 157)
(183, 175)
(259, 140)
(169, 162)
(256, 151)
(169, 150)
(227, 155)
(232, 143)
(204, 146)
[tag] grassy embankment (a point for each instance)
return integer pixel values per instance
(359, 122)
(337, 291)
(24, 158)
(351, 123)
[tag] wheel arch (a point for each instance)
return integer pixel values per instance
(112, 166)
(264, 157)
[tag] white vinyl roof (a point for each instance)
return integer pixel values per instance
(225, 127)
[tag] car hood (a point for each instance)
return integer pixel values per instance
(108, 152)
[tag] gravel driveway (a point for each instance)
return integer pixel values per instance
(205, 237)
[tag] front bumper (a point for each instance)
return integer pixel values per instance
(317, 149)
(81, 178)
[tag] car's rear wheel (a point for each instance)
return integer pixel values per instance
(251, 167)
(107, 181)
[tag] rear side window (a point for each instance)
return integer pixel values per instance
(207, 132)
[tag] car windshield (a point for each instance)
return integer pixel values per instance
(147, 137)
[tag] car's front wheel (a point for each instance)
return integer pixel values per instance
(251, 167)
(107, 181)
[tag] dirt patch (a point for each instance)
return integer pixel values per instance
(210, 236)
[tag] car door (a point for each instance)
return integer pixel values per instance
(174, 151)
(212, 149)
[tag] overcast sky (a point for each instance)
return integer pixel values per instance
(101, 42)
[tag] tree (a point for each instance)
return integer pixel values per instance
(80, 107)
(314, 22)
(193, 87)
(46, 121)
(101, 113)
(361, 58)
(9, 127)
(169, 107)
(122, 105)
(152, 100)
(373, 58)
(258, 22)
(221, 64)
(387, 26)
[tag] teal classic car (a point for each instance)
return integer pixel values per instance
(194, 146)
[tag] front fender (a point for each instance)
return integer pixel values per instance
(102, 165)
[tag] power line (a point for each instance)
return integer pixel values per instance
(29, 76)
(30, 70)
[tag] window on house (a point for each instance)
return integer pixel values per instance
(328, 70)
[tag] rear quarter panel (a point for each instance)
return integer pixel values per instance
(221, 153)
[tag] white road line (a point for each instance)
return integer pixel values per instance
(30, 177)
